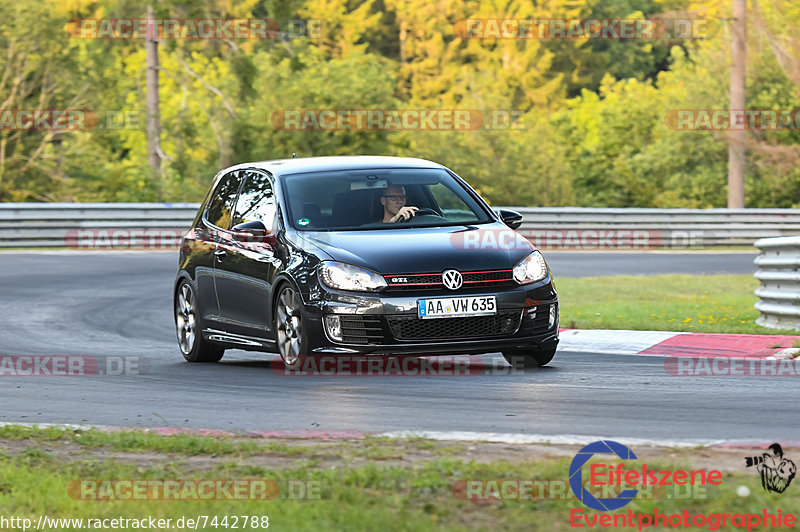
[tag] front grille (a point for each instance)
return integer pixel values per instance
(413, 328)
(359, 329)
(482, 277)
(433, 281)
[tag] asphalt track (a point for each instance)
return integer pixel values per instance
(108, 305)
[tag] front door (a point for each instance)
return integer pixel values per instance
(245, 267)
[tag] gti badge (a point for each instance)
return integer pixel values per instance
(452, 279)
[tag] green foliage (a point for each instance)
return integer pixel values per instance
(625, 155)
(309, 80)
(589, 115)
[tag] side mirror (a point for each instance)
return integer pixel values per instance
(254, 229)
(513, 219)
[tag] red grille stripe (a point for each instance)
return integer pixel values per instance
(439, 273)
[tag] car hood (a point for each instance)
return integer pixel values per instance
(425, 249)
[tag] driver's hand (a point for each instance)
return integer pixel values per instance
(405, 213)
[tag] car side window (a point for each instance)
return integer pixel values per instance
(220, 207)
(256, 200)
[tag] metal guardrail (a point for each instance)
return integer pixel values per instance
(592, 228)
(779, 273)
(27, 225)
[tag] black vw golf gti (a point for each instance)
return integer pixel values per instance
(359, 255)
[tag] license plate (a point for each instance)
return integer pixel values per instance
(456, 307)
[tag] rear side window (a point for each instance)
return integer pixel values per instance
(220, 208)
(256, 201)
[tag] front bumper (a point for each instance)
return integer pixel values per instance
(391, 326)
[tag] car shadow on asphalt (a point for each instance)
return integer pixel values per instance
(390, 366)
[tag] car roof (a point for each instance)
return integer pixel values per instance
(349, 162)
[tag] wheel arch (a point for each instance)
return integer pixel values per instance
(282, 280)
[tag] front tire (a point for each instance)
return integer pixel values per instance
(529, 358)
(290, 324)
(190, 334)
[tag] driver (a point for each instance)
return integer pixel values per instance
(394, 205)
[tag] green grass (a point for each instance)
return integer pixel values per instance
(134, 441)
(365, 496)
(185, 445)
(704, 303)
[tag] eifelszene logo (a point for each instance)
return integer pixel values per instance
(616, 476)
(576, 475)
(776, 471)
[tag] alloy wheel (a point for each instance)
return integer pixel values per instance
(290, 326)
(185, 319)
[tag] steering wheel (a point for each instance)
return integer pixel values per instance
(423, 211)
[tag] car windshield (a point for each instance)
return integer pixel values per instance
(348, 200)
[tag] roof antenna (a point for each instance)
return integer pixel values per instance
(294, 156)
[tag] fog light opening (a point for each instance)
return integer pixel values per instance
(552, 320)
(334, 327)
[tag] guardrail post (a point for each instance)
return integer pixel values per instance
(779, 274)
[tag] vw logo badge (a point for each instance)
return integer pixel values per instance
(452, 279)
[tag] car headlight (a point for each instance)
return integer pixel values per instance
(348, 277)
(530, 269)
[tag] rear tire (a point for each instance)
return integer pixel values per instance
(190, 333)
(529, 358)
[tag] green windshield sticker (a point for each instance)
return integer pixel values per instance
(303, 221)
